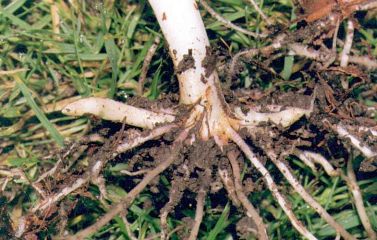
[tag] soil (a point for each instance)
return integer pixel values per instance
(186, 63)
(210, 61)
(6, 231)
(246, 228)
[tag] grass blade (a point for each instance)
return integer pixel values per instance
(14, 5)
(38, 112)
(113, 55)
(288, 66)
(221, 224)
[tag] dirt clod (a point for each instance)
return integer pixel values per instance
(186, 63)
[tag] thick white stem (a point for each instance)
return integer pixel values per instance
(188, 43)
(184, 31)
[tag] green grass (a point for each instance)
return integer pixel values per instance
(100, 49)
(38, 112)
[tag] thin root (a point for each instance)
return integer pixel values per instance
(251, 211)
(261, 13)
(284, 169)
(136, 173)
(49, 201)
(309, 158)
(138, 139)
(175, 196)
(227, 23)
(347, 44)
(128, 228)
(199, 213)
(127, 200)
(97, 166)
(249, 53)
(358, 198)
(270, 184)
(364, 149)
(344, 57)
(229, 186)
(146, 63)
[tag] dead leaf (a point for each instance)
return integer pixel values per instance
(317, 9)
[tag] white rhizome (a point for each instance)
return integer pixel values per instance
(199, 87)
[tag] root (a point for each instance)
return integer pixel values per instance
(365, 61)
(175, 196)
(199, 213)
(146, 63)
(229, 186)
(174, 231)
(260, 12)
(344, 57)
(347, 44)
(127, 200)
(368, 5)
(49, 201)
(358, 198)
(128, 228)
(251, 211)
(226, 22)
(284, 169)
(212, 121)
(250, 53)
(364, 149)
(309, 158)
(136, 173)
(323, 56)
(138, 139)
(303, 156)
(18, 173)
(117, 112)
(75, 147)
(270, 184)
(100, 182)
(131, 142)
(372, 131)
(284, 118)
